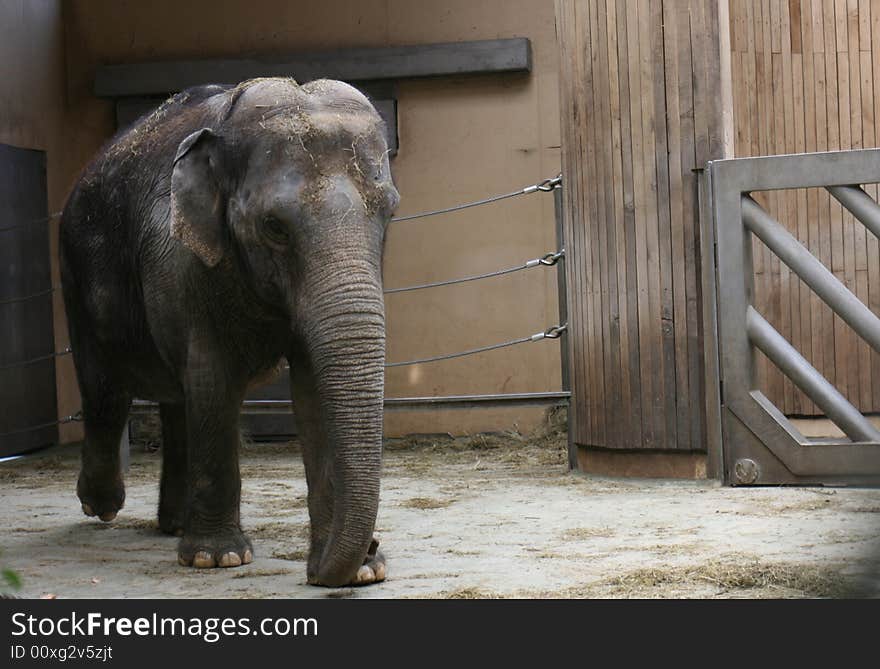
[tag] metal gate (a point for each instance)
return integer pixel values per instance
(758, 444)
(28, 415)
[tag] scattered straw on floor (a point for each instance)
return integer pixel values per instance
(427, 503)
(747, 577)
(300, 555)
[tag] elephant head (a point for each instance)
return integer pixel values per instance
(292, 185)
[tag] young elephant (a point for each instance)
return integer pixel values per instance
(232, 228)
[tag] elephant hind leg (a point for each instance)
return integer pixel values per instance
(105, 412)
(173, 488)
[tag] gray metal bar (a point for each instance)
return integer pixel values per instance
(859, 204)
(396, 403)
(547, 399)
(818, 277)
(805, 377)
(423, 60)
(711, 369)
(802, 170)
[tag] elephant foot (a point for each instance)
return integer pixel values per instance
(230, 548)
(101, 496)
(373, 568)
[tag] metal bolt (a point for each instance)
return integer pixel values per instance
(746, 471)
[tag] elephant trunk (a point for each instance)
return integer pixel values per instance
(344, 338)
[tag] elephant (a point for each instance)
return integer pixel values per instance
(234, 227)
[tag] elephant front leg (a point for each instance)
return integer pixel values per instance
(212, 535)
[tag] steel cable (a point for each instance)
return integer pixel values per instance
(545, 186)
(33, 222)
(553, 332)
(75, 418)
(13, 300)
(25, 363)
(547, 261)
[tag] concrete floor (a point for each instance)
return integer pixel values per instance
(476, 518)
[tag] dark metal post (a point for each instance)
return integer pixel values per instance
(564, 341)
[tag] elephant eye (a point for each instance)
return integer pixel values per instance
(275, 231)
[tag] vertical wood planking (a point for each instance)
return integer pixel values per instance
(873, 252)
(640, 154)
(709, 143)
(582, 91)
(607, 237)
(791, 304)
(628, 260)
(664, 240)
(640, 94)
(835, 325)
(640, 114)
(677, 237)
(593, 224)
(870, 69)
(812, 325)
(824, 326)
(617, 249)
(571, 205)
(805, 73)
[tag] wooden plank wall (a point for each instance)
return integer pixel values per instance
(640, 100)
(803, 74)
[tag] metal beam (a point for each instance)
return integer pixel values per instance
(424, 60)
(805, 377)
(801, 170)
(548, 399)
(818, 277)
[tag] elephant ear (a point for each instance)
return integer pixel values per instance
(197, 201)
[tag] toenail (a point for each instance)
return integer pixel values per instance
(204, 560)
(230, 560)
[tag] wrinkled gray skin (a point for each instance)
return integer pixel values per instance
(233, 228)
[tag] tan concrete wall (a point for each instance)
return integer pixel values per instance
(461, 139)
(32, 115)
